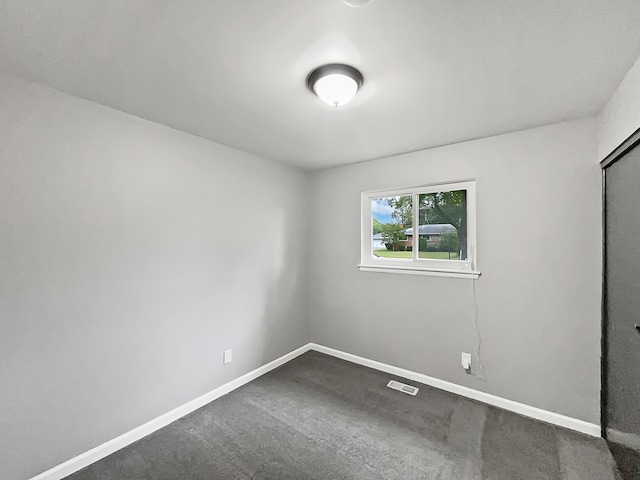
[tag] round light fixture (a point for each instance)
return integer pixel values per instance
(335, 84)
(356, 3)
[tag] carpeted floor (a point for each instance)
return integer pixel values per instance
(628, 461)
(321, 418)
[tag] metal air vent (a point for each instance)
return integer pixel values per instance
(403, 387)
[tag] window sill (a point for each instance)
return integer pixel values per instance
(433, 272)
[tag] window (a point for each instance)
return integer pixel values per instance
(427, 230)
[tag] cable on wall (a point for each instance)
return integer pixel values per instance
(476, 352)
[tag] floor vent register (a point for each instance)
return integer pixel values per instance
(403, 387)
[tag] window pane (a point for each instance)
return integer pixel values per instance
(390, 218)
(442, 231)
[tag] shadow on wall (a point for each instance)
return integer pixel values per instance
(272, 299)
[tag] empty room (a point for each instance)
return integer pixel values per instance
(320, 239)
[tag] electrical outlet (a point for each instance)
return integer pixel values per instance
(466, 361)
(226, 358)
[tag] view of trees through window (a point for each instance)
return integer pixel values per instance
(441, 232)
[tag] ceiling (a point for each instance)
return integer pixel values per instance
(233, 71)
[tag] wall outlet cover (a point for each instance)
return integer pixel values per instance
(226, 358)
(466, 360)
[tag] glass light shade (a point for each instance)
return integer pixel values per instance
(335, 89)
(356, 3)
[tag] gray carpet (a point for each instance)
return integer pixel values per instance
(628, 461)
(319, 418)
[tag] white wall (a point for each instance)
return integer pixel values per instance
(539, 250)
(621, 115)
(132, 255)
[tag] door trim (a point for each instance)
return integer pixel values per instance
(622, 149)
(603, 313)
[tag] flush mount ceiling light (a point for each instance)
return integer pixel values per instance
(356, 3)
(335, 84)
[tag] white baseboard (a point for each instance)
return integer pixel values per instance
(520, 408)
(101, 451)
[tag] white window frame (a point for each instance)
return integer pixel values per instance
(415, 265)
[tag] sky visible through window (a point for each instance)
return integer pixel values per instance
(381, 210)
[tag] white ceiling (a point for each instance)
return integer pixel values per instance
(233, 71)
